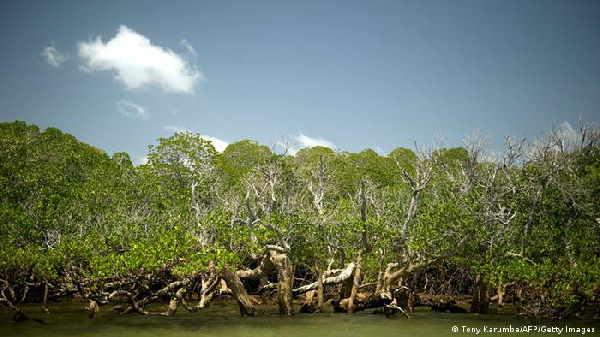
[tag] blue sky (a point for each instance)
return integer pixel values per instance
(348, 74)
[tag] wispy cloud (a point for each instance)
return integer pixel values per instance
(53, 56)
(305, 141)
(219, 144)
(379, 150)
(138, 63)
(141, 160)
(302, 141)
(188, 46)
(132, 110)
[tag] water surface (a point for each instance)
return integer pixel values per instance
(222, 319)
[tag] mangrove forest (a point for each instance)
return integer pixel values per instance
(459, 229)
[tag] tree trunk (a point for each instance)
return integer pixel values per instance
(402, 301)
(285, 275)
(379, 284)
(363, 217)
(501, 292)
(484, 298)
(173, 305)
(239, 293)
(389, 277)
(45, 300)
(175, 302)
(93, 309)
(346, 287)
(210, 282)
(319, 290)
(265, 294)
(534, 205)
(481, 298)
(308, 306)
(519, 295)
(412, 211)
(343, 276)
(355, 283)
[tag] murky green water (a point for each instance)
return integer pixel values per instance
(222, 319)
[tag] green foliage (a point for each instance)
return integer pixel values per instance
(405, 158)
(65, 204)
(240, 158)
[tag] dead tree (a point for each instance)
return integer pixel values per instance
(263, 189)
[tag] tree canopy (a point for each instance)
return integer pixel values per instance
(529, 217)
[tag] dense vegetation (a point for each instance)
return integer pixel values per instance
(523, 226)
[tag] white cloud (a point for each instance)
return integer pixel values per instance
(561, 138)
(379, 150)
(53, 56)
(306, 141)
(302, 141)
(219, 144)
(141, 160)
(132, 110)
(188, 46)
(139, 63)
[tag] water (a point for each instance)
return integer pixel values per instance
(222, 319)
